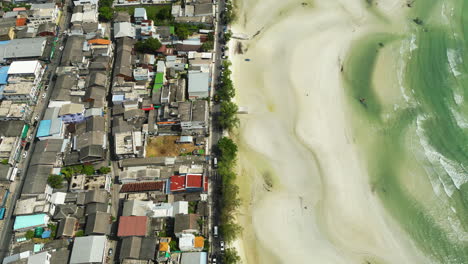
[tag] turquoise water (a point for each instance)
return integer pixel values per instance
(429, 133)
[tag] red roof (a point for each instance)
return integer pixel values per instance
(19, 9)
(205, 186)
(177, 183)
(132, 226)
(143, 186)
(162, 49)
(194, 181)
(20, 21)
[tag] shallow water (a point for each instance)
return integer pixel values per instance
(429, 128)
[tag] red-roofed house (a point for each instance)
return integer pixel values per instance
(132, 226)
(189, 183)
(177, 183)
(21, 22)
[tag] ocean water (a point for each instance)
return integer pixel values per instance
(424, 138)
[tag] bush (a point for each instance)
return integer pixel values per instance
(173, 245)
(207, 46)
(29, 234)
(228, 117)
(231, 257)
(4, 161)
(79, 233)
(104, 170)
(88, 170)
(105, 13)
(55, 181)
(150, 46)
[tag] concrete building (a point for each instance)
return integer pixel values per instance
(198, 85)
(72, 113)
(88, 249)
(140, 15)
(124, 29)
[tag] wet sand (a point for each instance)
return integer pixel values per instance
(298, 138)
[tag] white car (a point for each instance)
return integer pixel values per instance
(213, 260)
(44, 95)
(25, 154)
(61, 48)
(221, 245)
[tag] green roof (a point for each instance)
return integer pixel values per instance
(24, 133)
(156, 87)
(171, 30)
(159, 78)
(30, 221)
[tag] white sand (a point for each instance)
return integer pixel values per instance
(321, 208)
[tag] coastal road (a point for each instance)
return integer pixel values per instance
(7, 232)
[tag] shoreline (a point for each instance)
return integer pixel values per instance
(329, 200)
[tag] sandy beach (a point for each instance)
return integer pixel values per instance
(304, 183)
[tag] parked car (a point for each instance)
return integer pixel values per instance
(215, 231)
(111, 251)
(213, 260)
(215, 163)
(25, 154)
(44, 95)
(221, 244)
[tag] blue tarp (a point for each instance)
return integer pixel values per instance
(117, 98)
(44, 128)
(4, 74)
(46, 234)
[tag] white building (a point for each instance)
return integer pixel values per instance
(43, 13)
(198, 85)
(24, 69)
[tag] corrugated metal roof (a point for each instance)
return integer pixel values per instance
(132, 226)
(26, 221)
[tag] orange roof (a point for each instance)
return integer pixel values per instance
(20, 21)
(164, 246)
(199, 242)
(99, 41)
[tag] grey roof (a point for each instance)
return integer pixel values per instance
(43, 158)
(73, 52)
(134, 113)
(92, 153)
(4, 168)
(23, 48)
(203, 9)
(90, 138)
(124, 57)
(96, 93)
(97, 78)
(11, 128)
(96, 123)
(49, 145)
(90, 27)
(186, 221)
(60, 256)
(98, 223)
(198, 81)
(194, 258)
(122, 16)
(124, 29)
(163, 31)
(64, 210)
(88, 249)
(46, 27)
(36, 179)
(199, 111)
(66, 227)
(72, 158)
(62, 87)
(138, 248)
(139, 12)
(96, 196)
(93, 208)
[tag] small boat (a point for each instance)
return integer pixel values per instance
(362, 100)
(247, 59)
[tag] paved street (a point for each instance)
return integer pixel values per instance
(6, 234)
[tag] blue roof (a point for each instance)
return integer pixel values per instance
(4, 42)
(46, 234)
(44, 128)
(4, 74)
(117, 97)
(30, 221)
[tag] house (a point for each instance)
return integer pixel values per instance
(140, 15)
(124, 60)
(67, 227)
(96, 196)
(98, 224)
(51, 127)
(72, 113)
(7, 33)
(198, 85)
(124, 29)
(34, 205)
(194, 117)
(186, 224)
(143, 174)
(27, 222)
(132, 226)
(40, 258)
(147, 29)
(154, 210)
(73, 52)
(68, 210)
(46, 29)
(88, 249)
(194, 258)
(141, 74)
(189, 242)
(128, 144)
(24, 70)
(138, 248)
(22, 49)
(84, 2)
(122, 16)
(35, 182)
(43, 13)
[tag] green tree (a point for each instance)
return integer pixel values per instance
(104, 170)
(55, 181)
(231, 256)
(89, 170)
(173, 245)
(228, 117)
(79, 233)
(227, 36)
(228, 149)
(29, 234)
(4, 161)
(150, 46)
(227, 91)
(207, 46)
(105, 13)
